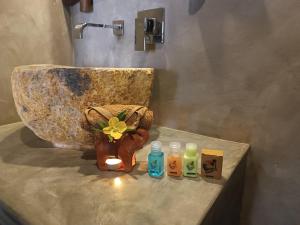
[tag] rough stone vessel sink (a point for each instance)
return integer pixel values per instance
(50, 99)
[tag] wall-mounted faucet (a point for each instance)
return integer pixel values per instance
(117, 26)
(149, 29)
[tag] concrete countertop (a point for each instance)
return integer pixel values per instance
(40, 184)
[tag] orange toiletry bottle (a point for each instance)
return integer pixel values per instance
(174, 160)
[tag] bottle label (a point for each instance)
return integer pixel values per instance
(191, 168)
(174, 166)
(153, 165)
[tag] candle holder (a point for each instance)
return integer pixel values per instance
(119, 131)
(120, 155)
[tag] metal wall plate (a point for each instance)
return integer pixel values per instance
(149, 29)
(118, 27)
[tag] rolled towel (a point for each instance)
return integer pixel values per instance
(136, 116)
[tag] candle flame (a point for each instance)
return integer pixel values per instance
(113, 161)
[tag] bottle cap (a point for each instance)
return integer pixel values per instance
(156, 146)
(191, 149)
(175, 146)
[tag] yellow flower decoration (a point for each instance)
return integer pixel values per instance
(115, 128)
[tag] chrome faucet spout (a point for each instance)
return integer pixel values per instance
(117, 26)
(78, 30)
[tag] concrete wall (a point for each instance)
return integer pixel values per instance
(31, 32)
(229, 69)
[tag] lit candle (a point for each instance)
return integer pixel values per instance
(113, 163)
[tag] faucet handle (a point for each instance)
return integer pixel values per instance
(150, 25)
(149, 29)
(152, 30)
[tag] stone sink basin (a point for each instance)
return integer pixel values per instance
(51, 99)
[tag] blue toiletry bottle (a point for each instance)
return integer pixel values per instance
(156, 160)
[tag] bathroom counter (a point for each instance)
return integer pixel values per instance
(40, 184)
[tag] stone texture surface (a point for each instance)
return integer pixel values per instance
(51, 99)
(36, 33)
(228, 69)
(49, 186)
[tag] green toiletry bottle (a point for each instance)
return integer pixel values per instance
(190, 160)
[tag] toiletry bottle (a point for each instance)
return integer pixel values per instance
(190, 160)
(156, 160)
(174, 160)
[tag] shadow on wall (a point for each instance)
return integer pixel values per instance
(245, 16)
(164, 90)
(195, 6)
(67, 16)
(240, 19)
(60, 30)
